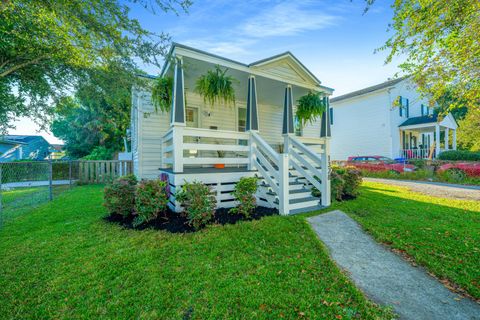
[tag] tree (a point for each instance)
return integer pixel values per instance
(48, 46)
(468, 137)
(98, 114)
(439, 40)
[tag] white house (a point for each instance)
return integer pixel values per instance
(256, 136)
(389, 119)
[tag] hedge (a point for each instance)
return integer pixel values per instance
(459, 155)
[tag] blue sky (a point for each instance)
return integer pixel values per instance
(334, 39)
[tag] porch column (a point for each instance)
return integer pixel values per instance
(325, 131)
(437, 139)
(454, 142)
(288, 112)
(177, 121)
(252, 118)
(447, 138)
(178, 96)
(252, 111)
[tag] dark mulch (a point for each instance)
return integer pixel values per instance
(177, 222)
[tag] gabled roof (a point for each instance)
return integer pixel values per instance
(380, 86)
(420, 120)
(259, 63)
(22, 138)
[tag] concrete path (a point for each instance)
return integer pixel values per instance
(436, 189)
(385, 277)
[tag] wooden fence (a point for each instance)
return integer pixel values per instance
(99, 171)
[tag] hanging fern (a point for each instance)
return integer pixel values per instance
(216, 86)
(310, 107)
(162, 93)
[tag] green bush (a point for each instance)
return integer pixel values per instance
(336, 185)
(244, 194)
(352, 179)
(119, 196)
(461, 155)
(344, 183)
(151, 199)
(418, 163)
(199, 203)
(100, 153)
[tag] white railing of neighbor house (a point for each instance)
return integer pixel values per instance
(182, 146)
(417, 153)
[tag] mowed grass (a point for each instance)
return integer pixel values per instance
(440, 234)
(63, 261)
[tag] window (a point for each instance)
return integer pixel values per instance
(297, 124)
(191, 117)
(403, 106)
(242, 119)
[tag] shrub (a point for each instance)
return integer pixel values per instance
(151, 199)
(100, 153)
(119, 196)
(336, 185)
(418, 163)
(461, 155)
(244, 193)
(199, 203)
(344, 183)
(352, 179)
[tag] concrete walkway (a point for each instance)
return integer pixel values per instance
(385, 277)
(436, 189)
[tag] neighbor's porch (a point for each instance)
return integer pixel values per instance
(426, 137)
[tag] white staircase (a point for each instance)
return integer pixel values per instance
(287, 179)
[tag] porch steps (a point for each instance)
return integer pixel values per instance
(307, 209)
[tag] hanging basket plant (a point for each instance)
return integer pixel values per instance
(310, 107)
(216, 86)
(162, 93)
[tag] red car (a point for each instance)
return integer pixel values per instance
(378, 163)
(471, 169)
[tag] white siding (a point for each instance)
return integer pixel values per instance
(361, 126)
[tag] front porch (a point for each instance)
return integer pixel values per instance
(427, 136)
(217, 146)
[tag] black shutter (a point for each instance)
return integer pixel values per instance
(408, 102)
(331, 116)
(400, 103)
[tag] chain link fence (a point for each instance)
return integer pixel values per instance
(25, 185)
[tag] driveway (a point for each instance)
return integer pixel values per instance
(436, 189)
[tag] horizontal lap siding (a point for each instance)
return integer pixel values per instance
(153, 126)
(270, 123)
(361, 127)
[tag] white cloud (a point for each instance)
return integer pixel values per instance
(286, 19)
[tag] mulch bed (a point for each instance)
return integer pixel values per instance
(177, 222)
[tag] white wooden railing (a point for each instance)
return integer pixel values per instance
(418, 153)
(198, 147)
(310, 165)
(185, 146)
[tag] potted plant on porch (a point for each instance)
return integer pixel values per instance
(310, 107)
(221, 154)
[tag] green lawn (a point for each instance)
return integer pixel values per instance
(441, 234)
(63, 261)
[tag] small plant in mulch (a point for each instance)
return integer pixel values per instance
(199, 202)
(119, 196)
(151, 199)
(244, 194)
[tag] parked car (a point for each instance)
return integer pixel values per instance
(471, 169)
(378, 163)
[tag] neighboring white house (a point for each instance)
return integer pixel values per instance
(256, 136)
(370, 122)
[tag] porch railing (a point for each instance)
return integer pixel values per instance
(184, 146)
(418, 153)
